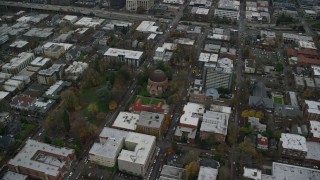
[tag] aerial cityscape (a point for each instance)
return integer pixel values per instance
(160, 89)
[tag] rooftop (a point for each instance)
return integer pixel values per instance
(150, 119)
(76, 68)
(294, 142)
(17, 61)
(141, 152)
(40, 61)
(315, 128)
(50, 71)
(126, 120)
(287, 171)
(39, 32)
(13, 176)
(208, 57)
(70, 18)
(215, 122)
(65, 45)
(19, 44)
(147, 26)
(313, 106)
(89, 22)
(122, 52)
(171, 172)
(207, 173)
(110, 143)
(190, 131)
(254, 174)
(297, 37)
(192, 111)
(293, 98)
(185, 41)
(55, 89)
(36, 155)
(307, 45)
(3, 95)
(316, 70)
(313, 151)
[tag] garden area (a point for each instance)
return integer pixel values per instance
(277, 98)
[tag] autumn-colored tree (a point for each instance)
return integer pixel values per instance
(245, 114)
(252, 113)
(307, 93)
(112, 105)
(191, 156)
(93, 108)
(248, 147)
(69, 100)
(192, 169)
(224, 173)
(259, 115)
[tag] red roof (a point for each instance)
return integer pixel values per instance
(308, 61)
(291, 52)
(308, 52)
(263, 141)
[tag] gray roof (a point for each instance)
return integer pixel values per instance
(287, 110)
(172, 172)
(6, 141)
(260, 102)
(259, 90)
(150, 119)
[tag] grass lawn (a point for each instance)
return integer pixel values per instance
(150, 100)
(278, 100)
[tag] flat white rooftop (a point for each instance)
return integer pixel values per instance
(215, 122)
(254, 174)
(110, 143)
(307, 45)
(17, 61)
(13, 176)
(70, 18)
(313, 151)
(89, 22)
(286, 171)
(40, 61)
(208, 57)
(315, 128)
(147, 26)
(144, 144)
(34, 155)
(293, 98)
(316, 70)
(65, 45)
(191, 114)
(3, 95)
(222, 109)
(123, 52)
(207, 173)
(294, 142)
(313, 106)
(126, 121)
(19, 44)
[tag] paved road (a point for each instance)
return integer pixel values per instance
(81, 10)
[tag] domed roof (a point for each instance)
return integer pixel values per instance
(158, 76)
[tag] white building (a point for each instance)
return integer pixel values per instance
(19, 44)
(229, 9)
(165, 52)
(126, 121)
(136, 157)
(40, 62)
(208, 57)
(315, 129)
(72, 19)
(89, 22)
(18, 63)
(312, 110)
(287, 171)
(287, 37)
(147, 26)
(131, 150)
(214, 124)
(76, 68)
(254, 174)
(311, 14)
(306, 45)
(207, 173)
(132, 5)
(173, 1)
(129, 57)
(293, 145)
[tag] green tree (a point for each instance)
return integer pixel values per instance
(104, 94)
(191, 156)
(69, 99)
(47, 139)
(248, 147)
(58, 142)
(66, 120)
(224, 173)
(91, 78)
(232, 134)
(279, 67)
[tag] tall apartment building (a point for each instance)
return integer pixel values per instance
(132, 5)
(118, 56)
(218, 77)
(131, 150)
(51, 75)
(18, 63)
(42, 161)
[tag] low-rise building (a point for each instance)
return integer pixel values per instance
(293, 145)
(207, 173)
(253, 174)
(311, 14)
(51, 75)
(54, 51)
(126, 121)
(122, 56)
(256, 125)
(89, 22)
(75, 70)
(150, 123)
(18, 63)
(9, 175)
(262, 142)
(19, 46)
(22, 102)
(40, 160)
(300, 83)
(147, 27)
(288, 37)
(54, 91)
(40, 62)
(172, 172)
(214, 124)
(250, 66)
(312, 110)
